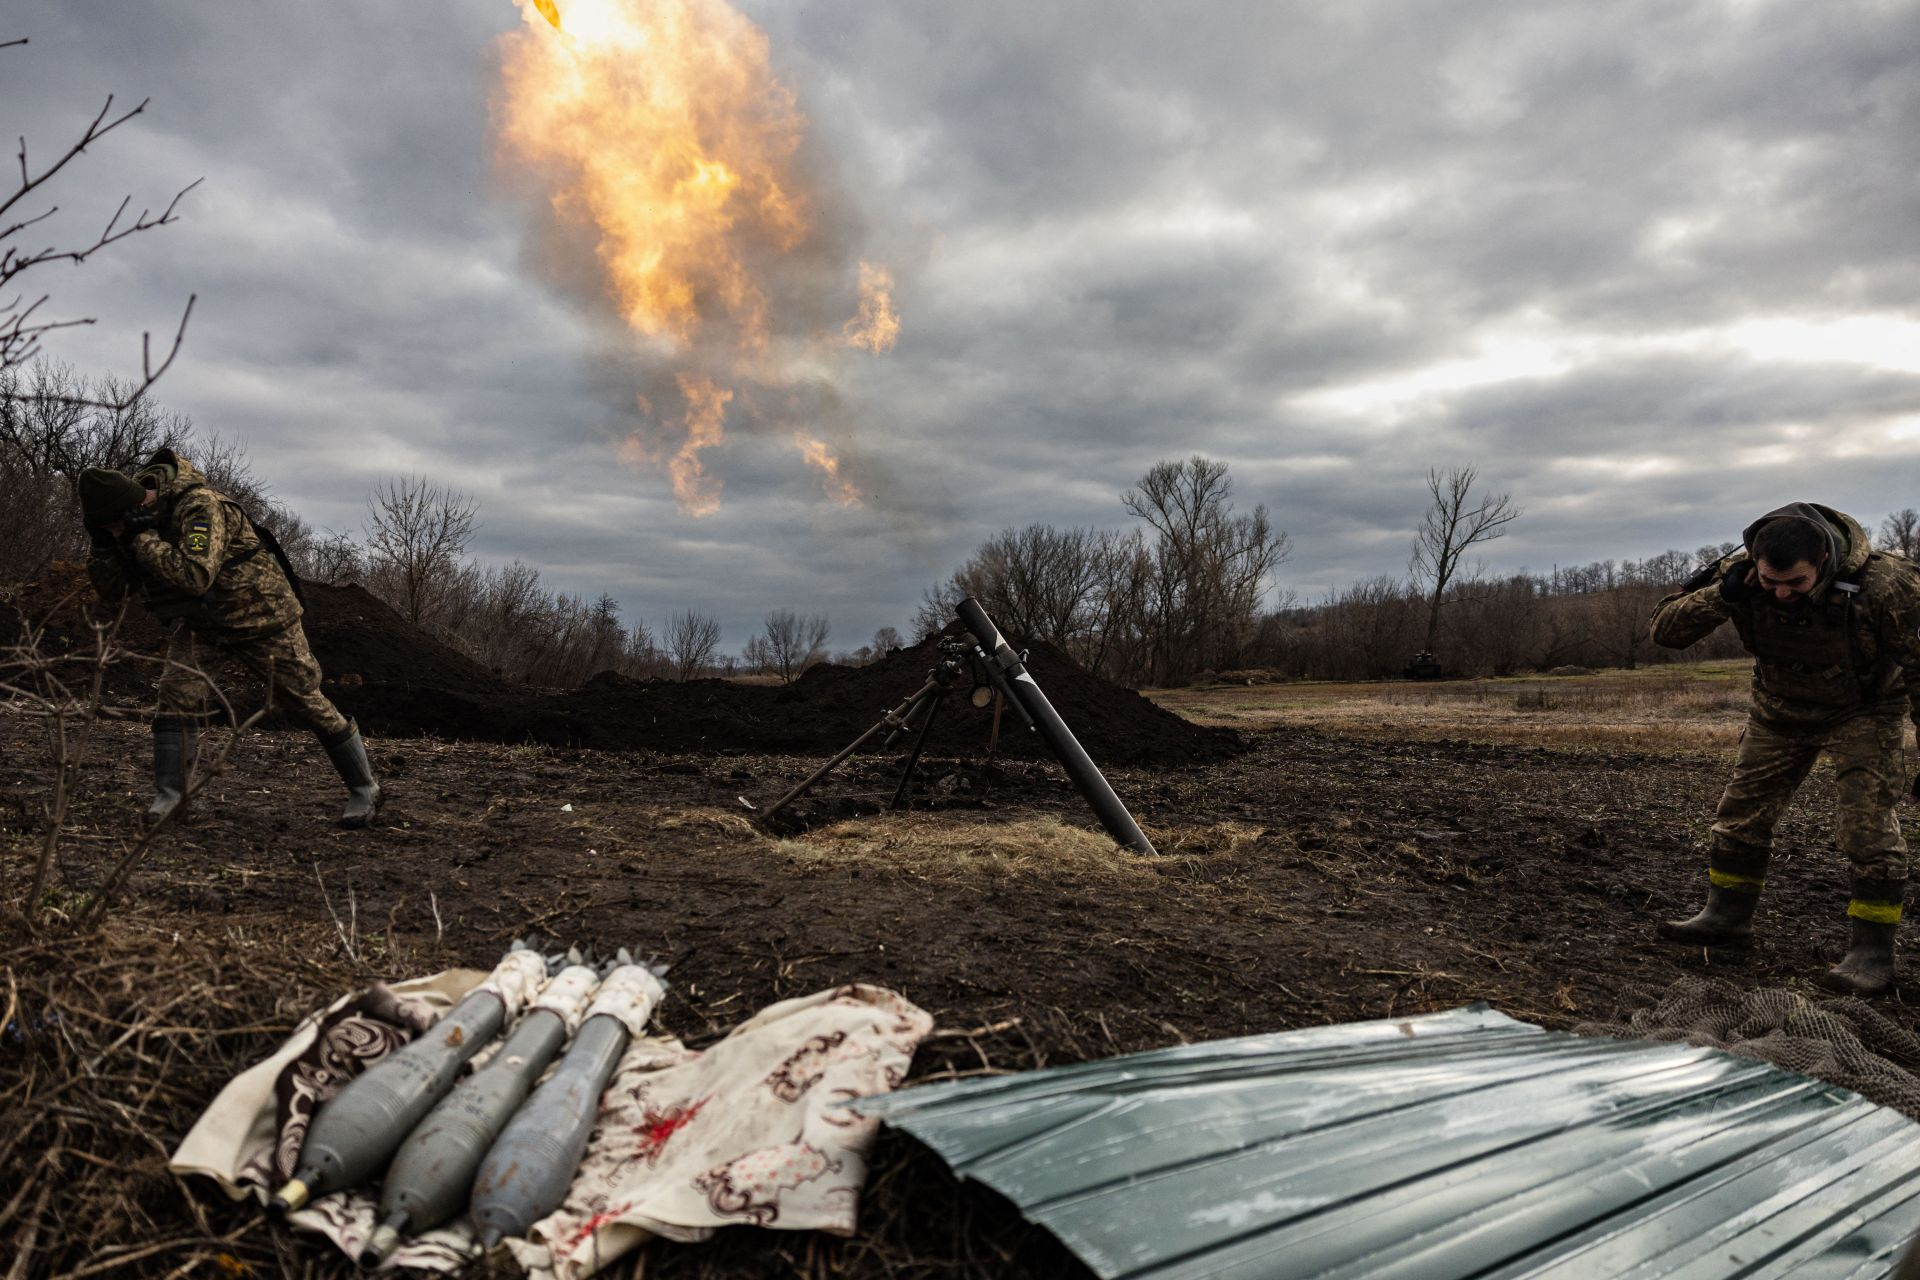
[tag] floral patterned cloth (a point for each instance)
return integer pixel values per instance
(237, 1140)
(746, 1132)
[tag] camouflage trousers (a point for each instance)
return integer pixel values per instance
(1870, 772)
(282, 661)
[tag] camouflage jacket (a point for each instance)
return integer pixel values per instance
(1841, 653)
(203, 563)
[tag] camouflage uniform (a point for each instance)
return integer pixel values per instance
(205, 570)
(1839, 672)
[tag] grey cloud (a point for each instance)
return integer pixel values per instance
(1118, 233)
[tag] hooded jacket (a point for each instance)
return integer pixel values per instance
(203, 562)
(1852, 645)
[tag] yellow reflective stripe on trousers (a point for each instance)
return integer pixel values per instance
(1875, 912)
(1732, 880)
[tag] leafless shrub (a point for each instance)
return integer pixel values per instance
(329, 557)
(690, 640)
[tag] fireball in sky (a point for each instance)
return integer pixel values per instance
(660, 130)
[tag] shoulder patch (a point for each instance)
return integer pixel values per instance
(198, 537)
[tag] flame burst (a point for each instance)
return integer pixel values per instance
(659, 123)
(877, 325)
(816, 454)
(698, 492)
(661, 130)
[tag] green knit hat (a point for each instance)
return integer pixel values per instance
(106, 495)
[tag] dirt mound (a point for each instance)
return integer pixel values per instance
(398, 681)
(830, 706)
(360, 640)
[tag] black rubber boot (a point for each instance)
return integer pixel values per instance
(1726, 921)
(1867, 969)
(173, 744)
(349, 756)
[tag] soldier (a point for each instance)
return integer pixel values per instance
(1834, 628)
(196, 562)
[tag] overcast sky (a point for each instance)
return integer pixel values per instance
(1653, 267)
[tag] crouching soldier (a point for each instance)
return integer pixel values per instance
(195, 561)
(1834, 628)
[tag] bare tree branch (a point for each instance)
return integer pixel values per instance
(21, 329)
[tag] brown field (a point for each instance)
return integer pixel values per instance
(1691, 707)
(1379, 850)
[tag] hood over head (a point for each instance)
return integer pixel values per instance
(169, 473)
(1847, 543)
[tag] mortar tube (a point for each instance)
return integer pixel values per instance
(1073, 757)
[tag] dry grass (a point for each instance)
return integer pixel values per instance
(942, 846)
(951, 847)
(112, 1044)
(1691, 707)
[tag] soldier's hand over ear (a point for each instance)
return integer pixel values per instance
(1736, 584)
(138, 520)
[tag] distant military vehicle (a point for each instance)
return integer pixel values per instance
(1423, 666)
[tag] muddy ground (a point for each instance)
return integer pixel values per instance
(1316, 878)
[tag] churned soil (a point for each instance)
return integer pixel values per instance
(1315, 878)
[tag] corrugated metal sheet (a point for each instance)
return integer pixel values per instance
(1446, 1145)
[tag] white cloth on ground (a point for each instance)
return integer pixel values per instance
(745, 1132)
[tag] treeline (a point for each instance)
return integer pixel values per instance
(1187, 590)
(1187, 597)
(411, 552)
(1179, 593)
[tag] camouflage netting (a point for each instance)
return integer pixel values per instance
(1844, 1041)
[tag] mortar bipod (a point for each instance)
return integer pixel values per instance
(922, 703)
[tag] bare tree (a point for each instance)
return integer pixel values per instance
(1453, 525)
(1901, 532)
(607, 639)
(1210, 567)
(23, 323)
(50, 419)
(885, 641)
(49, 434)
(935, 610)
(794, 642)
(329, 557)
(690, 639)
(416, 531)
(757, 656)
